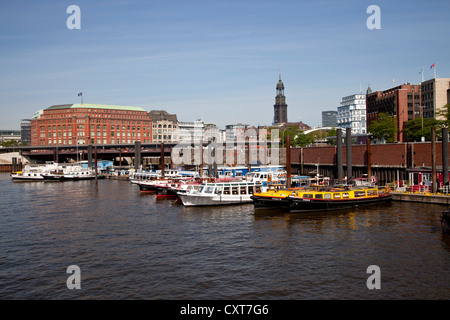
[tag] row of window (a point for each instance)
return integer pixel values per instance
(69, 142)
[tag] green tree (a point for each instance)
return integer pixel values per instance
(445, 114)
(415, 129)
(292, 131)
(384, 128)
(303, 140)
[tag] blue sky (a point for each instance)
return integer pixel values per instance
(213, 60)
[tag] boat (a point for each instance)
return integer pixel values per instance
(70, 172)
(33, 172)
(221, 193)
(272, 199)
(325, 198)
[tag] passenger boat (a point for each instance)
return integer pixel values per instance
(325, 198)
(30, 173)
(272, 199)
(70, 172)
(221, 193)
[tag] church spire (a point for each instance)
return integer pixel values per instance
(280, 107)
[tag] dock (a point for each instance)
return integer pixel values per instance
(423, 197)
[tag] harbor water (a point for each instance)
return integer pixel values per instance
(129, 245)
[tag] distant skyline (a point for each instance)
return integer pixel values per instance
(217, 61)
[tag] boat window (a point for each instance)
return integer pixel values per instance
(327, 195)
(226, 190)
(257, 189)
(200, 189)
(318, 196)
(307, 195)
(336, 195)
(234, 190)
(345, 195)
(209, 189)
(243, 190)
(359, 194)
(372, 193)
(218, 190)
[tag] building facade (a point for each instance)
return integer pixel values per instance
(402, 102)
(234, 132)
(165, 126)
(280, 107)
(329, 118)
(435, 95)
(352, 113)
(72, 124)
(25, 131)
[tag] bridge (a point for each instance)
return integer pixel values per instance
(317, 129)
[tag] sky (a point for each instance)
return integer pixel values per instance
(218, 61)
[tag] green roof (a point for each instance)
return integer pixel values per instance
(95, 106)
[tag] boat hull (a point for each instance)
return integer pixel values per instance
(311, 205)
(267, 202)
(25, 178)
(69, 177)
(191, 200)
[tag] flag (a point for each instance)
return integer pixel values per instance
(433, 65)
(80, 94)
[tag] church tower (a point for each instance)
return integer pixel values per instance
(280, 107)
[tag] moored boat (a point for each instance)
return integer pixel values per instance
(325, 198)
(221, 193)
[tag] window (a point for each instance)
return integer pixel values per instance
(359, 194)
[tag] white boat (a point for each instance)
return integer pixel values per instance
(221, 193)
(33, 172)
(266, 176)
(69, 172)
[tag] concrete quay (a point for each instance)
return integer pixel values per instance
(421, 197)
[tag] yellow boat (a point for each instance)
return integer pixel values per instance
(320, 198)
(325, 198)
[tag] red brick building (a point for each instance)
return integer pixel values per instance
(72, 124)
(403, 102)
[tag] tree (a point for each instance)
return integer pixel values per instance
(445, 114)
(384, 128)
(303, 140)
(415, 129)
(292, 131)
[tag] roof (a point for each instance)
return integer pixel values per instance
(157, 115)
(94, 106)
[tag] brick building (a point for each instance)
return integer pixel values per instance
(403, 102)
(72, 124)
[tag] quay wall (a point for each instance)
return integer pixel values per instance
(388, 162)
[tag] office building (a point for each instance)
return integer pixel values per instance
(435, 95)
(402, 102)
(329, 118)
(352, 114)
(72, 124)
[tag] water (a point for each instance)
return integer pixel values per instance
(132, 246)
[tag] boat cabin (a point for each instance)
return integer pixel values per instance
(241, 188)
